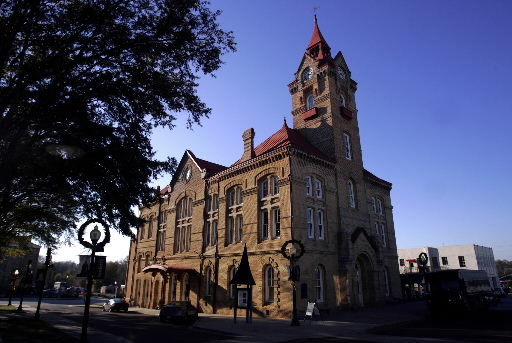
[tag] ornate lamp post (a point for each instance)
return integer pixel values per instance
(14, 276)
(95, 246)
(293, 250)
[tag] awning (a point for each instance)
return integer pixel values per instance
(411, 260)
(163, 268)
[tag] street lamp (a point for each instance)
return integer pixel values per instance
(95, 246)
(14, 276)
(115, 285)
(293, 253)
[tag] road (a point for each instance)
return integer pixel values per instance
(133, 326)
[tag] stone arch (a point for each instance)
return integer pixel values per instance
(364, 281)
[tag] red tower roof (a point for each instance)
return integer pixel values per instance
(318, 47)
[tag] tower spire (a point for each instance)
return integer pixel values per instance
(318, 47)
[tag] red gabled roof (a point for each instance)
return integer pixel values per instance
(287, 137)
(317, 37)
(210, 167)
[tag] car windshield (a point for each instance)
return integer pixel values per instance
(116, 300)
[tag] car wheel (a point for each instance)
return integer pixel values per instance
(110, 309)
(104, 309)
(125, 309)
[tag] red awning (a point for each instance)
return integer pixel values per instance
(411, 260)
(167, 269)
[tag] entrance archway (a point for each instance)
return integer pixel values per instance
(364, 286)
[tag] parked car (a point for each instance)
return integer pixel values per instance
(178, 310)
(50, 293)
(115, 304)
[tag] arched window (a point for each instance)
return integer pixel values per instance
(208, 282)
(347, 146)
(342, 101)
(269, 284)
(310, 102)
(183, 230)
(351, 194)
(234, 219)
(150, 227)
(173, 288)
(269, 212)
(142, 231)
(139, 263)
(318, 284)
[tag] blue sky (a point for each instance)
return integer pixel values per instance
(434, 86)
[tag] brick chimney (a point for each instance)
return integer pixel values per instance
(248, 138)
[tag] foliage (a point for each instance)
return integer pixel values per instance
(503, 267)
(82, 85)
(66, 271)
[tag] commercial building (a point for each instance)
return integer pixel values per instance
(305, 183)
(469, 256)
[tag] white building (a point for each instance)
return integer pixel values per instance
(470, 256)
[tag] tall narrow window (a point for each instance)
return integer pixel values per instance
(379, 207)
(142, 231)
(183, 230)
(320, 224)
(275, 185)
(308, 185)
(318, 189)
(231, 197)
(239, 228)
(264, 188)
(444, 260)
(269, 285)
(276, 222)
(377, 230)
(318, 284)
(207, 234)
(215, 202)
(342, 100)
(310, 102)
(209, 282)
(150, 228)
(383, 235)
(231, 229)
(311, 232)
(264, 224)
(374, 205)
(347, 146)
(351, 194)
(214, 232)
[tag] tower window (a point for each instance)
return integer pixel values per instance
(310, 102)
(347, 146)
(351, 194)
(342, 100)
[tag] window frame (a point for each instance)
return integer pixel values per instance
(310, 102)
(319, 283)
(462, 262)
(276, 224)
(269, 284)
(318, 189)
(351, 189)
(320, 223)
(310, 223)
(347, 146)
(309, 186)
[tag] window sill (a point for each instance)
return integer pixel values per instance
(310, 114)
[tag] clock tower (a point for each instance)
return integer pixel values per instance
(324, 107)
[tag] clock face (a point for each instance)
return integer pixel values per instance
(341, 73)
(307, 74)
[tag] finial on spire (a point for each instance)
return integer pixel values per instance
(314, 11)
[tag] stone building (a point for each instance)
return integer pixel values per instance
(305, 183)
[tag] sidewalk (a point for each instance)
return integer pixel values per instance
(341, 325)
